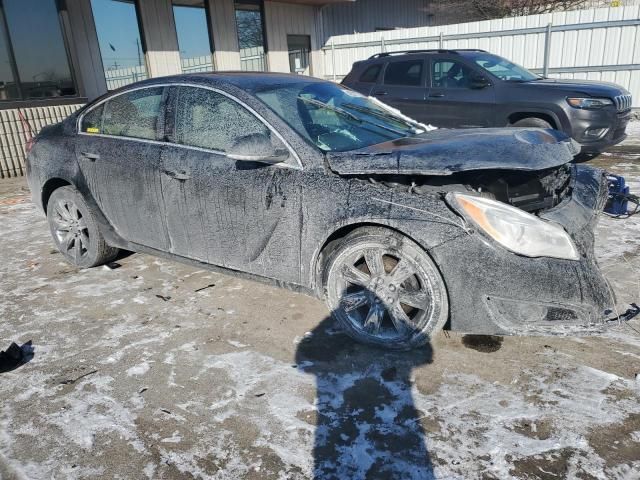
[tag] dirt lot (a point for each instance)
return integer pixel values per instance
(153, 369)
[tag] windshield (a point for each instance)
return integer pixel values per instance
(334, 118)
(502, 68)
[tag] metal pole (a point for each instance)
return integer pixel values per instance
(441, 40)
(382, 46)
(333, 59)
(547, 50)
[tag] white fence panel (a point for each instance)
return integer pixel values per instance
(598, 44)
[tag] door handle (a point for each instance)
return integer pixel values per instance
(90, 156)
(436, 95)
(181, 176)
(380, 94)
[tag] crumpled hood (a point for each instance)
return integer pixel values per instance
(445, 152)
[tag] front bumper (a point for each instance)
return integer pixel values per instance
(613, 123)
(494, 291)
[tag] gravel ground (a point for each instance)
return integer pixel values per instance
(152, 369)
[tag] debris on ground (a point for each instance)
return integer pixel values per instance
(15, 356)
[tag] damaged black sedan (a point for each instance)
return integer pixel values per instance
(305, 183)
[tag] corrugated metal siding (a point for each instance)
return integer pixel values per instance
(604, 51)
(284, 19)
(367, 15)
(13, 137)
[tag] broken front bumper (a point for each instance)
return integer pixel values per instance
(494, 291)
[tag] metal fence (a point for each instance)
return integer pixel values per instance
(120, 77)
(598, 44)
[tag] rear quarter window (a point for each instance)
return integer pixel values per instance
(92, 120)
(370, 75)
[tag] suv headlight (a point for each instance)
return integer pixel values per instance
(514, 229)
(589, 103)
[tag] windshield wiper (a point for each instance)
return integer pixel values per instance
(379, 114)
(349, 115)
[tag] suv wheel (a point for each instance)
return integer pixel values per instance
(532, 122)
(75, 230)
(385, 290)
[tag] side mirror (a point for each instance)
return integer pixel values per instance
(257, 147)
(479, 82)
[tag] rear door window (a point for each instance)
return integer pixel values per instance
(207, 119)
(406, 73)
(370, 75)
(133, 114)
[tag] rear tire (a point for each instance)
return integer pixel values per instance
(385, 290)
(75, 230)
(532, 122)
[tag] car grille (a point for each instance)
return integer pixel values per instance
(623, 102)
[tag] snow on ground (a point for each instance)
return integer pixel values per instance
(211, 384)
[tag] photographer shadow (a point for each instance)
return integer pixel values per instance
(367, 425)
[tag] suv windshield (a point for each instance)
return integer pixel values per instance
(333, 117)
(501, 67)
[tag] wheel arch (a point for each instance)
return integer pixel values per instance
(333, 239)
(51, 186)
(548, 117)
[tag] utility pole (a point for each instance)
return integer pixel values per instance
(139, 56)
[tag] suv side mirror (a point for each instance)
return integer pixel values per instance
(257, 147)
(479, 82)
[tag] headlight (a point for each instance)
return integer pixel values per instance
(589, 103)
(514, 229)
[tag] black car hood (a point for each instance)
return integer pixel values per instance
(445, 152)
(592, 88)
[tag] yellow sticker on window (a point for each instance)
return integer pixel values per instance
(93, 130)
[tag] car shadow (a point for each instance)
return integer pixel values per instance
(367, 425)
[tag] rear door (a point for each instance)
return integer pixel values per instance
(453, 101)
(119, 153)
(403, 86)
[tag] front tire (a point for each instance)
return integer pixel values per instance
(75, 230)
(385, 290)
(532, 122)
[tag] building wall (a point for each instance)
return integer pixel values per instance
(284, 19)
(225, 37)
(365, 16)
(159, 31)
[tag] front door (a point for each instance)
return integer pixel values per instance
(236, 214)
(119, 158)
(403, 87)
(453, 101)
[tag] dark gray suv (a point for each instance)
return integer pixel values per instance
(474, 88)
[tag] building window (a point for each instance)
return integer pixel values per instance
(120, 42)
(250, 35)
(299, 49)
(33, 58)
(192, 28)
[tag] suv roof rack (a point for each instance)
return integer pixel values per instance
(430, 50)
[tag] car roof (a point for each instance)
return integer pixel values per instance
(429, 51)
(244, 80)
